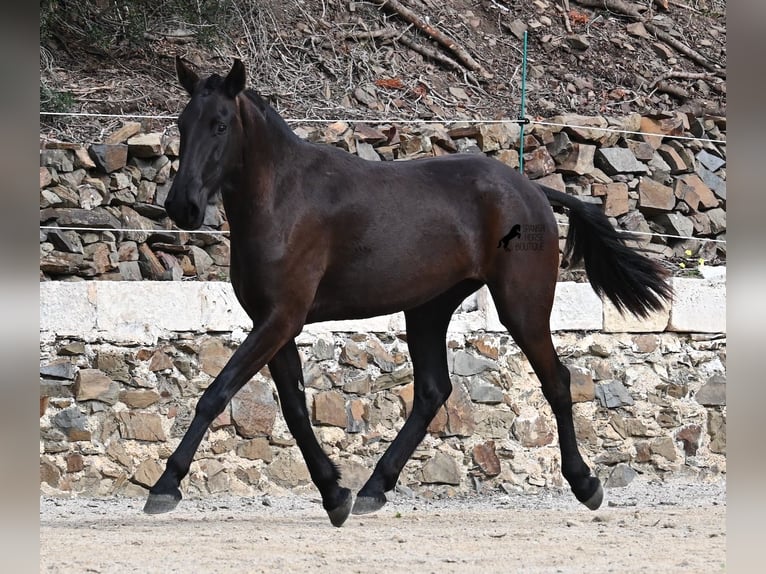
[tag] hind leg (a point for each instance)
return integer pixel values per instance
(426, 333)
(525, 312)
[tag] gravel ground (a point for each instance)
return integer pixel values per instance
(645, 527)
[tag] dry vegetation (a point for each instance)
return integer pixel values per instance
(414, 59)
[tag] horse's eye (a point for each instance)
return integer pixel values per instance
(221, 127)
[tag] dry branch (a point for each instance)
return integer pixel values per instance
(403, 38)
(462, 55)
(684, 75)
(672, 89)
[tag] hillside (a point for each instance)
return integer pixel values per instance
(345, 59)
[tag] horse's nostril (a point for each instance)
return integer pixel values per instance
(193, 212)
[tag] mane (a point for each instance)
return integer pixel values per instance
(269, 113)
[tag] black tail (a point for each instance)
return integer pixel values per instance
(630, 280)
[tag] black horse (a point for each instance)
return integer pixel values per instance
(320, 234)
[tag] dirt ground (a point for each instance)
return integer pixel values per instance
(644, 527)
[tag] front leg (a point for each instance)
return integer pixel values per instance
(286, 371)
(254, 352)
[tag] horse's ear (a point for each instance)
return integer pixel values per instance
(186, 75)
(235, 80)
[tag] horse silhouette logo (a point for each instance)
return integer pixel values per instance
(513, 233)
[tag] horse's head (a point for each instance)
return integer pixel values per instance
(211, 132)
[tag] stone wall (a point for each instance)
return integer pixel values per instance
(646, 183)
(119, 384)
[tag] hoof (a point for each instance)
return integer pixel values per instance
(368, 504)
(339, 514)
(595, 501)
(593, 495)
(159, 503)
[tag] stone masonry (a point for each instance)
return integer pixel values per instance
(118, 386)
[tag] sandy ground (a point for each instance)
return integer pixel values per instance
(644, 527)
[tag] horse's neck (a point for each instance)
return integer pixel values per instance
(253, 183)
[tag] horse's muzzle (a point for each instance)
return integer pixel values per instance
(185, 213)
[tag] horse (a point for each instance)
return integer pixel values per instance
(320, 234)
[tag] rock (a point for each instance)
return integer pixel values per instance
(358, 384)
(255, 449)
(613, 394)
(617, 199)
(689, 436)
(466, 364)
(577, 41)
(675, 224)
(49, 473)
(710, 161)
(665, 447)
(673, 159)
(254, 410)
(460, 413)
(485, 458)
(147, 473)
(585, 129)
(109, 157)
(354, 355)
(509, 157)
(59, 159)
(579, 160)
(717, 219)
(288, 469)
(73, 423)
(329, 408)
(716, 428)
(74, 462)
(654, 198)
(713, 392)
(493, 137)
(213, 356)
(139, 398)
(642, 150)
(686, 194)
(59, 369)
(441, 469)
(114, 365)
(93, 384)
(707, 198)
(141, 426)
(366, 151)
(581, 385)
(121, 135)
(380, 356)
(390, 380)
(621, 475)
(145, 145)
(533, 431)
(485, 393)
(616, 160)
(74, 217)
(538, 163)
(716, 184)
(358, 415)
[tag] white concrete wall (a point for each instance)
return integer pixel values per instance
(144, 311)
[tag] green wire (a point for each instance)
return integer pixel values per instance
(523, 101)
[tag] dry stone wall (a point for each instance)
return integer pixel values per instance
(647, 182)
(119, 384)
